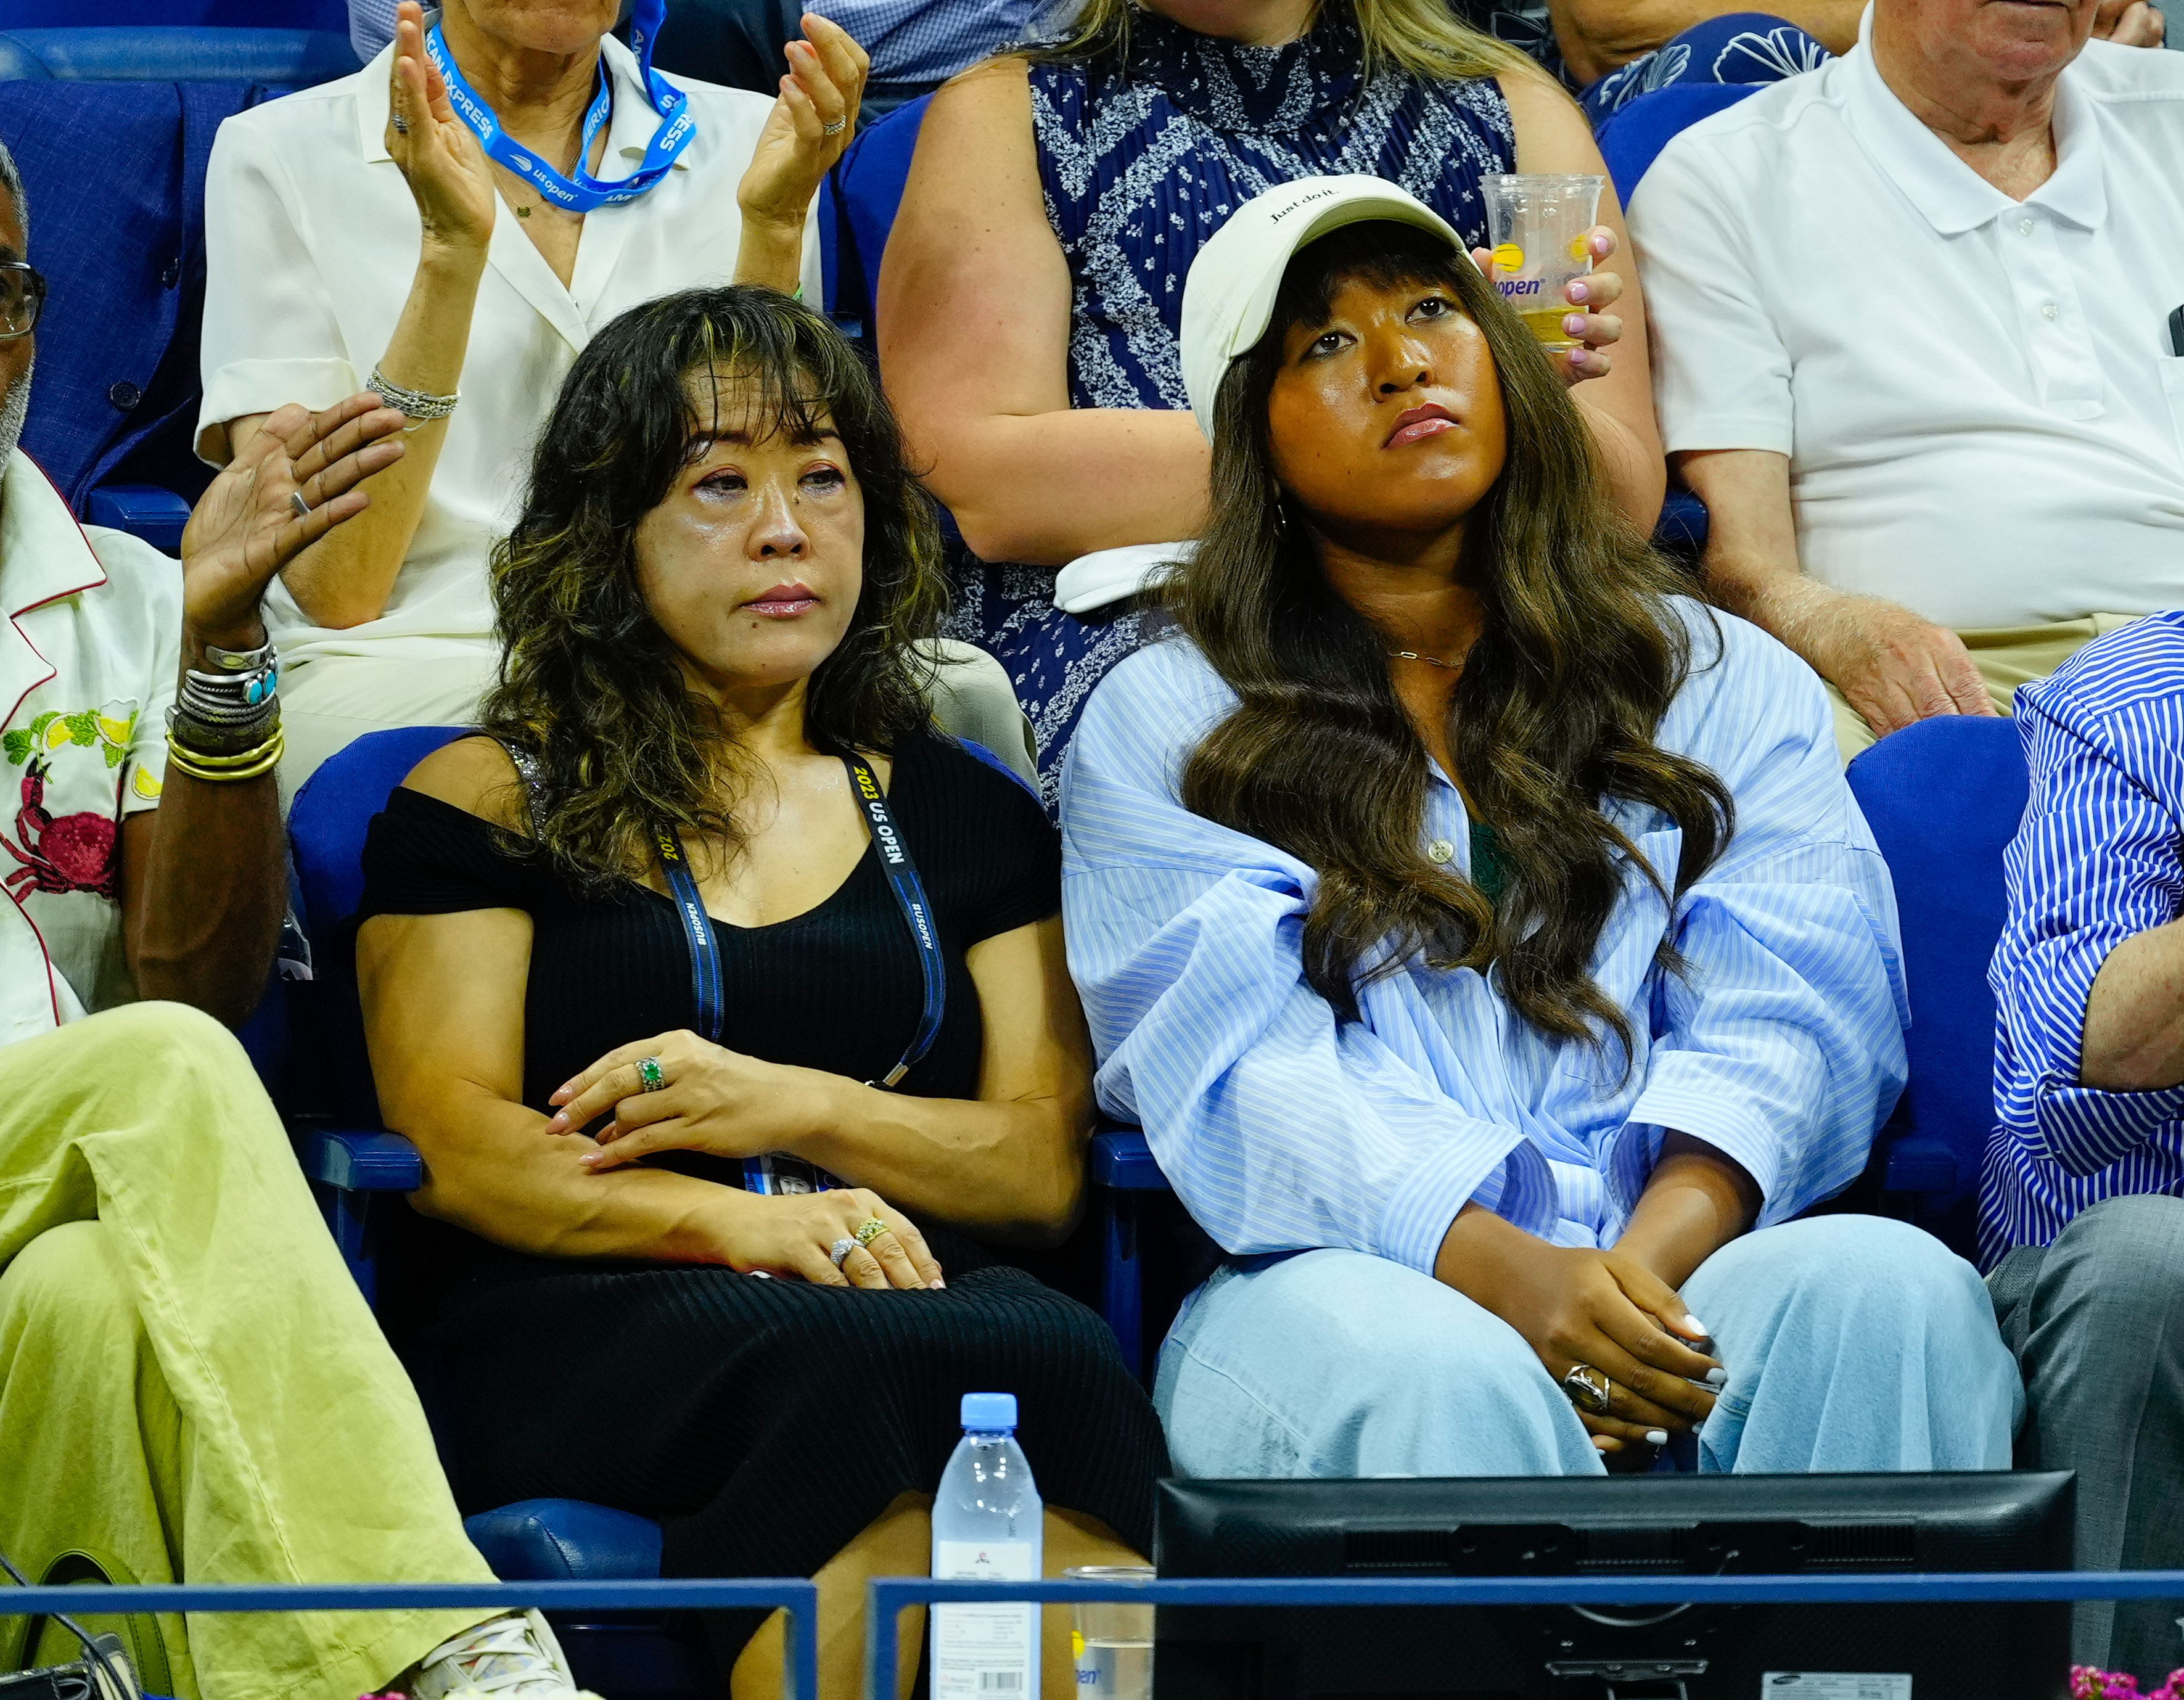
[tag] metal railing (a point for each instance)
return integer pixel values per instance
(886, 1596)
(800, 1599)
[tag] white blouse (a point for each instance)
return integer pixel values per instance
(311, 240)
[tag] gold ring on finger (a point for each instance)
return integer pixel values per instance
(869, 1230)
(1589, 1388)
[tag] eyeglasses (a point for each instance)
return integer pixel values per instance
(22, 295)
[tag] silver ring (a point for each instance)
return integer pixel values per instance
(840, 1249)
(302, 507)
(834, 129)
(1589, 1388)
(401, 124)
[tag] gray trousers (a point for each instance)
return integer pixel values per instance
(2097, 1321)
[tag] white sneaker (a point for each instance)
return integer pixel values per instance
(514, 1657)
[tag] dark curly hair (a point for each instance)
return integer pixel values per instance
(589, 691)
(1554, 713)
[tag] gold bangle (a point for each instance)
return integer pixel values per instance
(225, 770)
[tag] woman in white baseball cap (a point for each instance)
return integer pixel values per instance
(1483, 932)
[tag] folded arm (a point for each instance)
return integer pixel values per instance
(1008, 1165)
(2089, 977)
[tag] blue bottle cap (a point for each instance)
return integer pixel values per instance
(989, 1412)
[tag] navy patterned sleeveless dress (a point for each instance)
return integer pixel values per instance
(1141, 163)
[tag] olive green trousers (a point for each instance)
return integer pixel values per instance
(191, 1389)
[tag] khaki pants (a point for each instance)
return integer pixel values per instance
(191, 1388)
(328, 704)
(2007, 656)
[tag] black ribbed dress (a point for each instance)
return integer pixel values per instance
(763, 1422)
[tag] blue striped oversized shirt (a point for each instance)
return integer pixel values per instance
(2099, 857)
(1285, 1128)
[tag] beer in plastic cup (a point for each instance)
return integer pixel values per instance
(1538, 223)
(1114, 1638)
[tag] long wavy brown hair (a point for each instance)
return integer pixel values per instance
(1554, 713)
(589, 690)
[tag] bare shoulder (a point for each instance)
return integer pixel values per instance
(477, 776)
(1551, 132)
(996, 91)
(976, 119)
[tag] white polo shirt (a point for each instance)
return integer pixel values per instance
(311, 240)
(90, 637)
(1983, 417)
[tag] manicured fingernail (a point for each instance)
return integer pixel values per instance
(589, 1160)
(1717, 1377)
(1656, 1437)
(1696, 1327)
(559, 1123)
(1600, 246)
(1578, 292)
(938, 1282)
(1574, 324)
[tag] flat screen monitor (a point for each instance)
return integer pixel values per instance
(1647, 1525)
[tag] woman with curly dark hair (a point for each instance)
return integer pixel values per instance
(1485, 934)
(708, 891)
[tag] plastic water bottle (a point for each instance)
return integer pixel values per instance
(988, 1523)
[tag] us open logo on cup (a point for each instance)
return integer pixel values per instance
(1508, 257)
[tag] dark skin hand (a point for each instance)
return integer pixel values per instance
(203, 883)
(1617, 1310)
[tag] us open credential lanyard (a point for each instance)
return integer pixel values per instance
(775, 1173)
(677, 124)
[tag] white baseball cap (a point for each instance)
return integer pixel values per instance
(1230, 295)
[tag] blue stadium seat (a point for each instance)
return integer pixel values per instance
(1944, 799)
(122, 246)
(1630, 142)
(122, 249)
(332, 15)
(278, 59)
(868, 186)
(1633, 137)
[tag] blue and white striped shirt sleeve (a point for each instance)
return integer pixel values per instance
(1781, 1044)
(2095, 863)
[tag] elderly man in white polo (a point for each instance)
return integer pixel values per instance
(1914, 346)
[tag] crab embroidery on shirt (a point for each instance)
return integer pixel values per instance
(70, 853)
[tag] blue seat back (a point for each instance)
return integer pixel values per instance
(1633, 138)
(326, 826)
(273, 59)
(330, 815)
(122, 247)
(75, 14)
(1944, 798)
(868, 185)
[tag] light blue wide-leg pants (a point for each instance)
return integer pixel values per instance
(1851, 1343)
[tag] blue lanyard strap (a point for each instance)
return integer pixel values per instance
(775, 1173)
(678, 126)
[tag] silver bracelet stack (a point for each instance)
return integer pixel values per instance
(234, 707)
(420, 407)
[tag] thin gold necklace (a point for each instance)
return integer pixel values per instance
(1430, 661)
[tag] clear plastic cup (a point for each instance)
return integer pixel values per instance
(1537, 224)
(1114, 1638)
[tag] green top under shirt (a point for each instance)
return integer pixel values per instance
(1486, 861)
